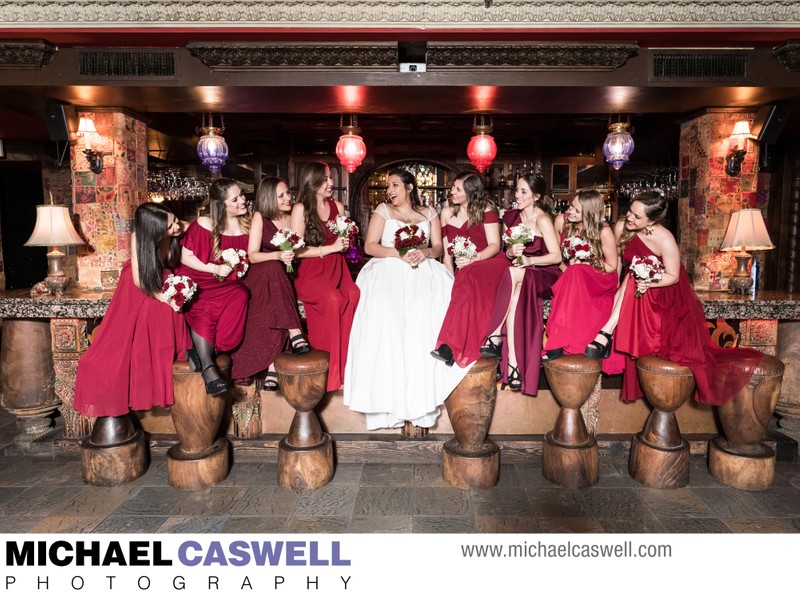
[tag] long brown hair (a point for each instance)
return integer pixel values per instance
(215, 209)
(538, 186)
(655, 208)
(150, 225)
(477, 200)
(408, 179)
(267, 197)
(312, 176)
(592, 209)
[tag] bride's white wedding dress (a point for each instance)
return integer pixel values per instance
(390, 375)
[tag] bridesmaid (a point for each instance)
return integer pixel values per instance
(472, 215)
(129, 363)
(272, 311)
(520, 297)
(323, 283)
(217, 314)
(668, 319)
(583, 296)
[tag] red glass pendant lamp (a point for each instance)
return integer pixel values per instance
(350, 149)
(481, 149)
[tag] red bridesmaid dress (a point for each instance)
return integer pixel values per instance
(329, 297)
(529, 314)
(129, 363)
(669, 322)
(583, 298)
(219, 309)
(272, 311)
(473, 295)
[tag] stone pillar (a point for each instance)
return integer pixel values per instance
(708, 195)
(105, 203)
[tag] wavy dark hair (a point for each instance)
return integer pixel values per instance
(538, 186)
(655, 208)
(477, 200)
(267, 197)
(408, 179)
(312, 176)
(150, 225)
(592, 210)
(214, 207)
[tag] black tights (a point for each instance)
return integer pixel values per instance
(205, 352)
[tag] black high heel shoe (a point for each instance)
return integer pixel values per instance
(492, 349)
(195, 365)
(271, 381)
(299, 345)
(552, 354)
(596, 350)
(514, 379)
(216, 386)
(444, 354)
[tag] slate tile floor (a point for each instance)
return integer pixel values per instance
(44, 496)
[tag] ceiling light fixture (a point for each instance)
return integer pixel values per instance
(482, 149)
(212, 148)
(618, 146)
(350, 149)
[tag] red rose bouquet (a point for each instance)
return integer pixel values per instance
(576, 249)
(519, 234)
(287, 240)
(236, 259)
(177, 291)
(646, 268)
(409, 238)
(342, 226)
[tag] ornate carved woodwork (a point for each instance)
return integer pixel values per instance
(26, 54)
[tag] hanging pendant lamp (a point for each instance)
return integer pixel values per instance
(350, 149)
(481, 149)
(618, 146)
(212, 148)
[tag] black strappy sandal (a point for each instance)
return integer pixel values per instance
(552, 354)
(444, 354)
(514, 379)
(271, 381)
(596, 350)
(492, 349)
(299, 345)
(217, 386)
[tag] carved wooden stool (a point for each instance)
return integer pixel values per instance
(305, 455)
(114, 453)
(659, 455)
(201, 459)
(472, 461)
(570, 456)
(739, 458)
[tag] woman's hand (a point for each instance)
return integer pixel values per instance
(340, 245)
(414, 257)
(642, 286)
(462, 262)
(286, 257)
(515, 250)
(221, 270)
(526, 261)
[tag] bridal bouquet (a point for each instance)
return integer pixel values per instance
(236, 259)
(646, 268)
(519, 234)
(342, 226)
(287, 240)
(462, 248)
(409, 238)
(177, 290)
(576, 249)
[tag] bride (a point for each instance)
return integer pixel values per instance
(390, 375)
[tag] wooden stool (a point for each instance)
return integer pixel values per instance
(200, 459)
(471, 461)
(114, 453)
(659, 455)
(739, 458)
(570, 456)
(305, 455)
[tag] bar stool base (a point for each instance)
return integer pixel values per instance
(471, 470)
(196, 471)
(301, 469)
(754, 472)
(571, 466)
(659, 467)
(113, 464)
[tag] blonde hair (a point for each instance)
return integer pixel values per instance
(592, 223)
(215, 208)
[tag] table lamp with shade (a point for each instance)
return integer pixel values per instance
(746, 231)
(54, 229)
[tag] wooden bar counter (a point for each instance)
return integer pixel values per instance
(259, 419)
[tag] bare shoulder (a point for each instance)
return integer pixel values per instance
(298, 208)
(339, 207)
(205, 222)
(447, 213)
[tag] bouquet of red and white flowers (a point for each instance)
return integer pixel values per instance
(342, 226)
(519, 234)
(287, 240)
(236, 259)
(462, 247)
(646, 268)
(576, 249)
(177, 290)
(409, 238)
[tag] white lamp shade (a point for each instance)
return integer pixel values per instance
(746, 231)
(86, 126)
(53, 227)
(741, 129)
